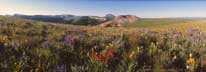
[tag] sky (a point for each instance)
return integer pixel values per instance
(140, 8)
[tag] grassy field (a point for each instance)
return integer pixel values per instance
(147, 22)
(150, 45)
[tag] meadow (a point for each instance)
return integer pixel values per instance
(146, 22)
(153, 45)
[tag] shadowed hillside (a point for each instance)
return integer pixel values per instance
(67, 19)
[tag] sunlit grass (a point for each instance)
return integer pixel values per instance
(147, 22)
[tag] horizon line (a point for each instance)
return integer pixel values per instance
(105, 14)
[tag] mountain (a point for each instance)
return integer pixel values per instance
(109, 16)
(46, 18)
(107, 20)
(67, 19)
(85, 20)
(120, 21)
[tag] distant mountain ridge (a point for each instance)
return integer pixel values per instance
(107, 20)
(67, 19)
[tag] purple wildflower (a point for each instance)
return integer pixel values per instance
(191, 35)
(196, 38)
(24, 53)
(61, 68)
(82, 34)
(196, 30)
(174, 42)
(176, 33)
(68, 39)
(45, 44)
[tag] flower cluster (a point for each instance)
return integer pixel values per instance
(69, 39)
(3, 38)
(190, 62)
(176, 33)
(102, 56)
(45, 44)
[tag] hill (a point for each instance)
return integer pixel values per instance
(108, 20)
(120, 21)
(27, 45)
(67, 19)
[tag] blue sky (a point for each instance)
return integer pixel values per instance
(141, 8)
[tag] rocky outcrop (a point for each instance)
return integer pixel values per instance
(120, 21)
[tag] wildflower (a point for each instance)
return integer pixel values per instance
(111, 53)
(45, 44)
(105, 54)
(3, 38)
(111, 45)
(69, 39)
(196, 30)
(61, 68)
(191, 35)
(175, 57)
(176, 33)
(197, 38)
(99, 57)
(191, 61)
(106, 61)
(82, 34)
(24, 53)
(132, 54)
(93, 54)
(190, 55)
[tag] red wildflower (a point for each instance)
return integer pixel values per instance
(99, 57)
(111, 53)
(93, 54)
(106, 61)
(105, 54)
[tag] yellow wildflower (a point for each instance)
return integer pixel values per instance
(131, 54)
(3, 38)
(191, 61)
